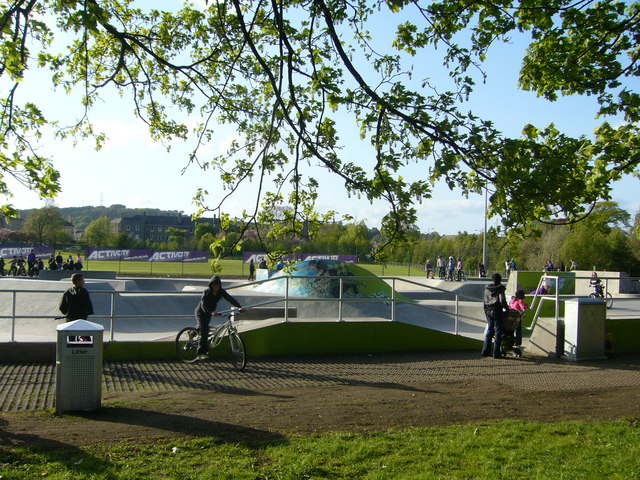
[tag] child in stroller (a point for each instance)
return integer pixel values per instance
(512, 324)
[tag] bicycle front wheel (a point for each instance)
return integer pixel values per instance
(187, 344)
(236, 348)
(609, 300)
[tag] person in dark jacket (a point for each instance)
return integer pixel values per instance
(76, 302)
(495, 305)
(207, 308)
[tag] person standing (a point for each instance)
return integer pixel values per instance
(252, 271)
(440, 265)
(459, 267)
(31, 262)
(481, 270)
(428, 268)
(495, 305)
(76, 302)
(207, 308)
(59, 261)
(451, 266)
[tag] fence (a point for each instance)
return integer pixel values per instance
(387, 306)
(447, 306)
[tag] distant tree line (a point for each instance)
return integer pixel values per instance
(608, 239)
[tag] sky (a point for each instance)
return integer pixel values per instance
(134, 171)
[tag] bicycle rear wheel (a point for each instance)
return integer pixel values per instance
(187, 344)
(236, 348)
(609, 300)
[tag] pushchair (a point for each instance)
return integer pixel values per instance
(510, 323)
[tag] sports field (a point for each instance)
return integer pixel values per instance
(230, 268)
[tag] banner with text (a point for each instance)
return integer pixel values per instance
(7, 251)
(146, 255)
(257, 257)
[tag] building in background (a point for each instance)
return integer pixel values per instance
(153, 228)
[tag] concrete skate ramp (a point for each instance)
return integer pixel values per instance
(41, 298)
(135, 307)
(433, 289)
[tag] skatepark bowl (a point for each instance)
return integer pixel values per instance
(333, 315)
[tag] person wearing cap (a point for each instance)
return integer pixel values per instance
(495, 305)
(207, 308)
(450, 268)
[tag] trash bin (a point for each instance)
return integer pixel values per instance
(584, 329)
(79, 366)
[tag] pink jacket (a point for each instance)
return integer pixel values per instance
(518, 304)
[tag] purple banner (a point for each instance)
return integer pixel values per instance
(322, 256)
(9, 252)
(146, 255)
(257, 257)
(179, 256)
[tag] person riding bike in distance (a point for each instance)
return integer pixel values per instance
(207, 308)
(596, 284)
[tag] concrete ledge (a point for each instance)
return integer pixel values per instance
(60, 274)
(28, 352)
(547, 338)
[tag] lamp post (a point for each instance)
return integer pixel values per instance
(484, 236)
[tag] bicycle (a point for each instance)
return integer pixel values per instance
(599, 293)
(188, 339)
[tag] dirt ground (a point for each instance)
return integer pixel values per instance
(275, 414)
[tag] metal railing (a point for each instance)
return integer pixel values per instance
(287, 299)
(539, 298)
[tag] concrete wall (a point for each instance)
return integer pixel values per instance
(60, 274)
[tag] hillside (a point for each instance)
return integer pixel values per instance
(80, 217)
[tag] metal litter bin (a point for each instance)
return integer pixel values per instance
(584, 329)
(79, 366)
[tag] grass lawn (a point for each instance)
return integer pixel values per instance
(231, 268)
(504, 450)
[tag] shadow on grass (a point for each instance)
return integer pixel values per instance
(25, 449)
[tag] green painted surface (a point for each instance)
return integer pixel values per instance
(528, 281)
(624, 335)
(313, 339)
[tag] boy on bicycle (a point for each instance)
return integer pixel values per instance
(596, 284)
(207, 308)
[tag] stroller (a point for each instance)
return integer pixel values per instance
(510, 323)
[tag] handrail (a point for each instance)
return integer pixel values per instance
(557, 297)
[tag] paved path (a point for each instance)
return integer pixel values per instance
(32, 386)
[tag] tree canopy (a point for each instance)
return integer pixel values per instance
(291, 76)
(44, 225)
